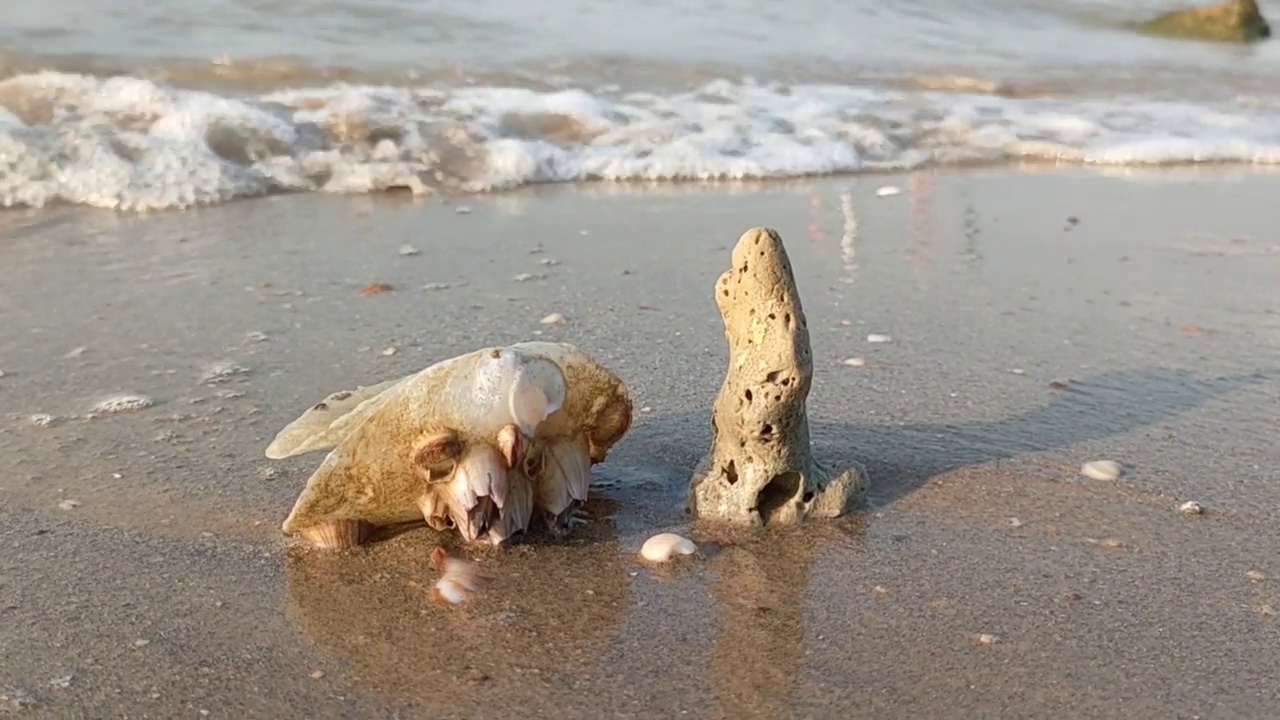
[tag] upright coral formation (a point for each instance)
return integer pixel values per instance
(760, 469)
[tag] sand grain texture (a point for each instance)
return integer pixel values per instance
(176, 538)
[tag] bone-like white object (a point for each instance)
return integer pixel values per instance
(552, 396)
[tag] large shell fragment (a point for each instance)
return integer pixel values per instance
(483, 443)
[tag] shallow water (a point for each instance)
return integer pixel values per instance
(205, 105)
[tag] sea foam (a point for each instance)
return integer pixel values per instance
(130, 144)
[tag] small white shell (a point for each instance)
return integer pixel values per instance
(448, 590)
(459, 580)
(1191, 507)
(1102, 470)
(661, 547)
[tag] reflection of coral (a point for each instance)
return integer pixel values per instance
(546, 611)
(759, 588)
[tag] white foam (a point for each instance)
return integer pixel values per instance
(130, 144)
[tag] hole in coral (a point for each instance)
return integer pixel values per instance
(787, 319)
(774, 496)
(772, 316)
(725, 292)
(772, 376)
(747, 395)
(808, 497)
(731, 472)
(744, 267)
(766, 430)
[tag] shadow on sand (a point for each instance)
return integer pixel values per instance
(902, 458)
(373, 611)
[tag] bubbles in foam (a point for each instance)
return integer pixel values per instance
(123, 402)
(222, 371)
(130, 144)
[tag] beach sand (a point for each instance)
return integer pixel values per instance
(167, 591)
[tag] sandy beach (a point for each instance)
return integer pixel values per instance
(1037, 320)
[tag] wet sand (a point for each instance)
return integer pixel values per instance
(168, 592)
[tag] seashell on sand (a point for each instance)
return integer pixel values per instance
(1191, 507)
(459, 581)
(482, 443)
(1102, 470)
(664, 546)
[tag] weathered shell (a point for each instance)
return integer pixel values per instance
(1102, 470)
(327, 422)
(558, 399)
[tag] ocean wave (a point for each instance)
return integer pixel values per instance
(132, 144)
